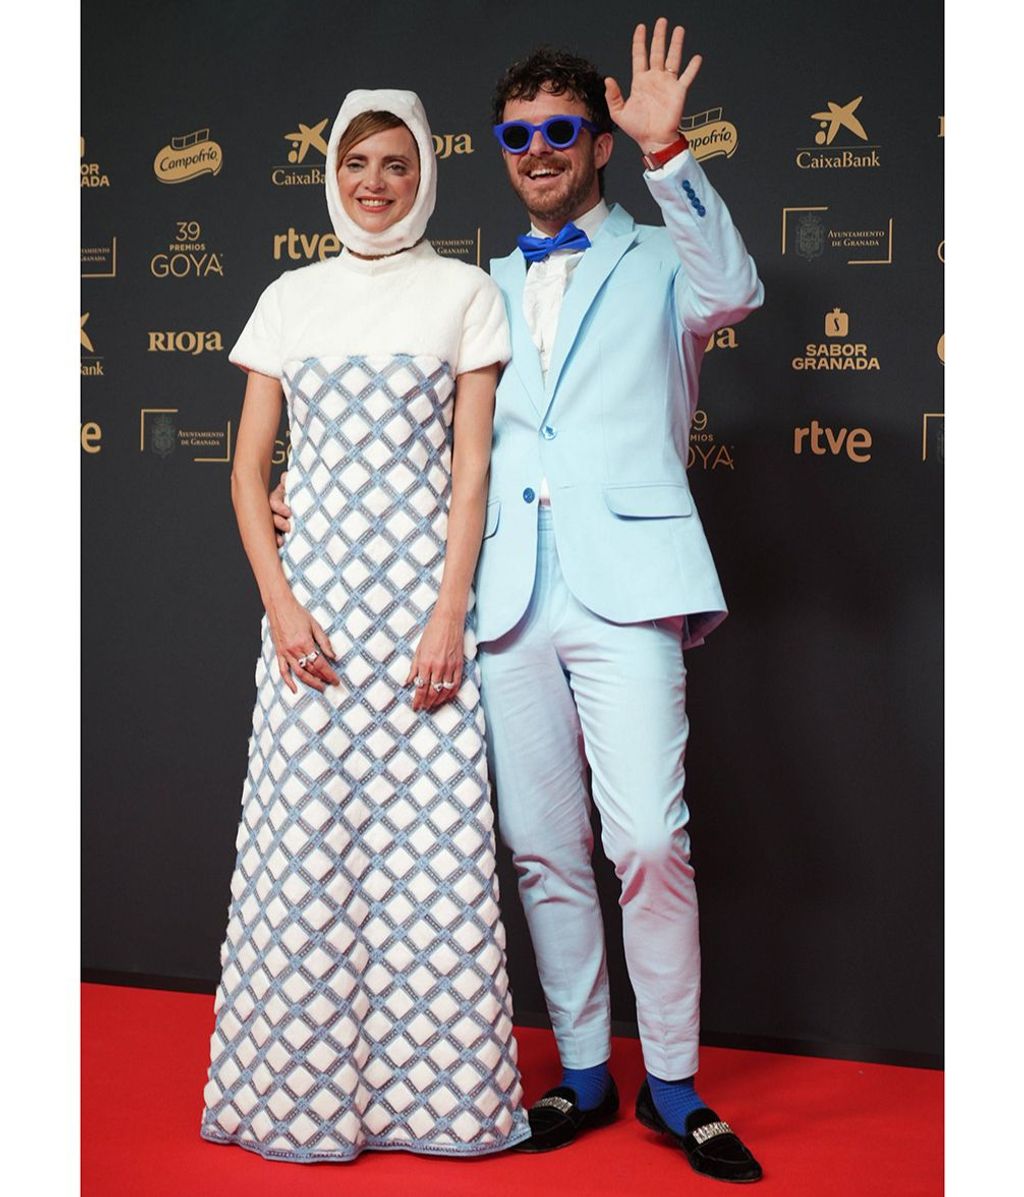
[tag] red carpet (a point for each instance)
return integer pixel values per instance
(821, 1128)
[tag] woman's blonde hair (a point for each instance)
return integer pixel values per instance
(365, 125)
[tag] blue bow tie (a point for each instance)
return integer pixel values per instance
(536, 249)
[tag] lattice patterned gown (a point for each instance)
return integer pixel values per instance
(364, 999)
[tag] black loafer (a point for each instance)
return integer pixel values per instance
(557, 1119)
(710, 1144)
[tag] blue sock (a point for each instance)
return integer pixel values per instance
(589, 1084)
(674, 1100)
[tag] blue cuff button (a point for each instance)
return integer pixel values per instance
(528, 495)
(548, 433)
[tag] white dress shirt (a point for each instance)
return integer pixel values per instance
(546, 284)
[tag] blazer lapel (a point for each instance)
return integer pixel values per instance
(613, 238)
(510, 275)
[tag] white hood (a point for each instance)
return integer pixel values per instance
(403, 233)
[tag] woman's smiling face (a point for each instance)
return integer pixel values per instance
(378, 179)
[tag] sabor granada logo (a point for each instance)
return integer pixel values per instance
(837, 353)
(193, 343)
(188, 157)
(709, 136)
(828, 153)
(91, 174)
(299, 172)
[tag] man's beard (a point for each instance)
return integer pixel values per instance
(560, 208)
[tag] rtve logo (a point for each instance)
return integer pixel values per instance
(823, 440)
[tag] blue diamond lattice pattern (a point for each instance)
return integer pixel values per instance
(364, 1000)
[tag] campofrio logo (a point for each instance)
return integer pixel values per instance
(188, 157)
(709, 136)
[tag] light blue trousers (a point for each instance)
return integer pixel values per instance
(564, 684)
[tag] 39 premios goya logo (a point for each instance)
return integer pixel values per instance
(840, 142)
(705, 451)
(838, 350)
(187, 157)
(709, 136)
(187, 256)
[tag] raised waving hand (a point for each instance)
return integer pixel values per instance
(657, 94)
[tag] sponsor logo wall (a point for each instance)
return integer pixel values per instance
(820, 418)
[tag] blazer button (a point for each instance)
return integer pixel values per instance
(548, 433)
(528, 495)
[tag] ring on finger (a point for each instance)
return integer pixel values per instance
(448, 685)
(418, 682)
(437, 686)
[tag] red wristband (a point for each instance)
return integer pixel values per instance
(658, 158)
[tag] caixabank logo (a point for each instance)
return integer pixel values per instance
(92, 362)
(841, 141)
(709, 135)
(816, 232)
(92, 174)
(187, 256)
(837, 351)
(307, 154)
(188, 157)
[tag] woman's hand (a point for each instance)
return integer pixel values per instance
(436, 671)
(301, 645)
(281, 512)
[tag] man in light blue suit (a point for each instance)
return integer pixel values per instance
(595, 573)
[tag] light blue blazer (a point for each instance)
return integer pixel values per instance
(609, 427)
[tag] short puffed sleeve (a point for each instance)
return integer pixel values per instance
(259, 346)
(484, 338)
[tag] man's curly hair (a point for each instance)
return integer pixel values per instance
(559, 72)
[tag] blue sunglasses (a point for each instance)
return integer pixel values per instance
(559, 132)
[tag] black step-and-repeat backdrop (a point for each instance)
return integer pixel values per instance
(814, 770)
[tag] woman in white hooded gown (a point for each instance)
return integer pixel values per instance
(364, 999)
